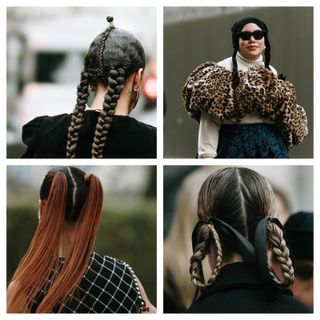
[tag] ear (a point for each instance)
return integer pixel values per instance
(138, 77)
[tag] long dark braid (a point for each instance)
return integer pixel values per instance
(78, 115)
(267, 54)
(235, 75)
(115, 86)
(112, 57)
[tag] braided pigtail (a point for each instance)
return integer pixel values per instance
(207, 236)
(235, 75)
(78, 115)
(115, 86)
(281, 254)
(267, 54)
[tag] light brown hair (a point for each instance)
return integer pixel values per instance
(240, 197)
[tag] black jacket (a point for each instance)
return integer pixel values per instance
(238, 289)
(108, 285)
(46, 137)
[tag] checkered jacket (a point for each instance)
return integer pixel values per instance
(108, 286)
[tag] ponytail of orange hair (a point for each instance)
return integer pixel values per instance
(43, 254)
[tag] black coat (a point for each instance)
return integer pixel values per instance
(238, 289)
(46, 137)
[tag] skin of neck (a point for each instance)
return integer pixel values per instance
(234, 257)
(127, 98)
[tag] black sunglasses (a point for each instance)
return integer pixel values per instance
(257, 34)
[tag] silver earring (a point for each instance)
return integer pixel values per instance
(137, 91)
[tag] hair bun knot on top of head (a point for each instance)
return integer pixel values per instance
(110, 21)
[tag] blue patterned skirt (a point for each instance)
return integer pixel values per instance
(257, 140)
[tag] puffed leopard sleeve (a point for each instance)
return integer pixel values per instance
(207, 87)
(276, 100)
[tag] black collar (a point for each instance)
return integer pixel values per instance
(235, 276)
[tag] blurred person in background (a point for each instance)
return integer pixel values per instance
(244, 109)
(60, 271)
(113, 71)
(299, 230)
(236, 236)
(178, 292)
(283, 203)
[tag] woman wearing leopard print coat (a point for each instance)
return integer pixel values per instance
(245, 110)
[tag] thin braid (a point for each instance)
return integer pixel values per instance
(267, 55)
(78, 115)
(206, 233)
(115, 86)
(281, 253)
(235, 75)
(102, 44)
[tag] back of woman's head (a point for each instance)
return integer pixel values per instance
(70, 208)
(76, 189)
(113, 49)
(241, 198)
(113, 56)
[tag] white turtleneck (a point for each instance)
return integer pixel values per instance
(209, 127)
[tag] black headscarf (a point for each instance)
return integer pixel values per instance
(236, 29)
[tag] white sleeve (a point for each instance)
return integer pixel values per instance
(273, 70)
(208, 137)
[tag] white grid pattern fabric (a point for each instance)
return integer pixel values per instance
(109, 285)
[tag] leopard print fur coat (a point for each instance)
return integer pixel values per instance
(209, 88)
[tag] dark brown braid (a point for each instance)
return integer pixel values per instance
(235, 75)
(115, 86)
(78, 115)
(281, 254)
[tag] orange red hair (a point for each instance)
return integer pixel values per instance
(42, 257)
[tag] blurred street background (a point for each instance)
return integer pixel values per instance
(45, 51)
(193, 35)
(128, 225)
